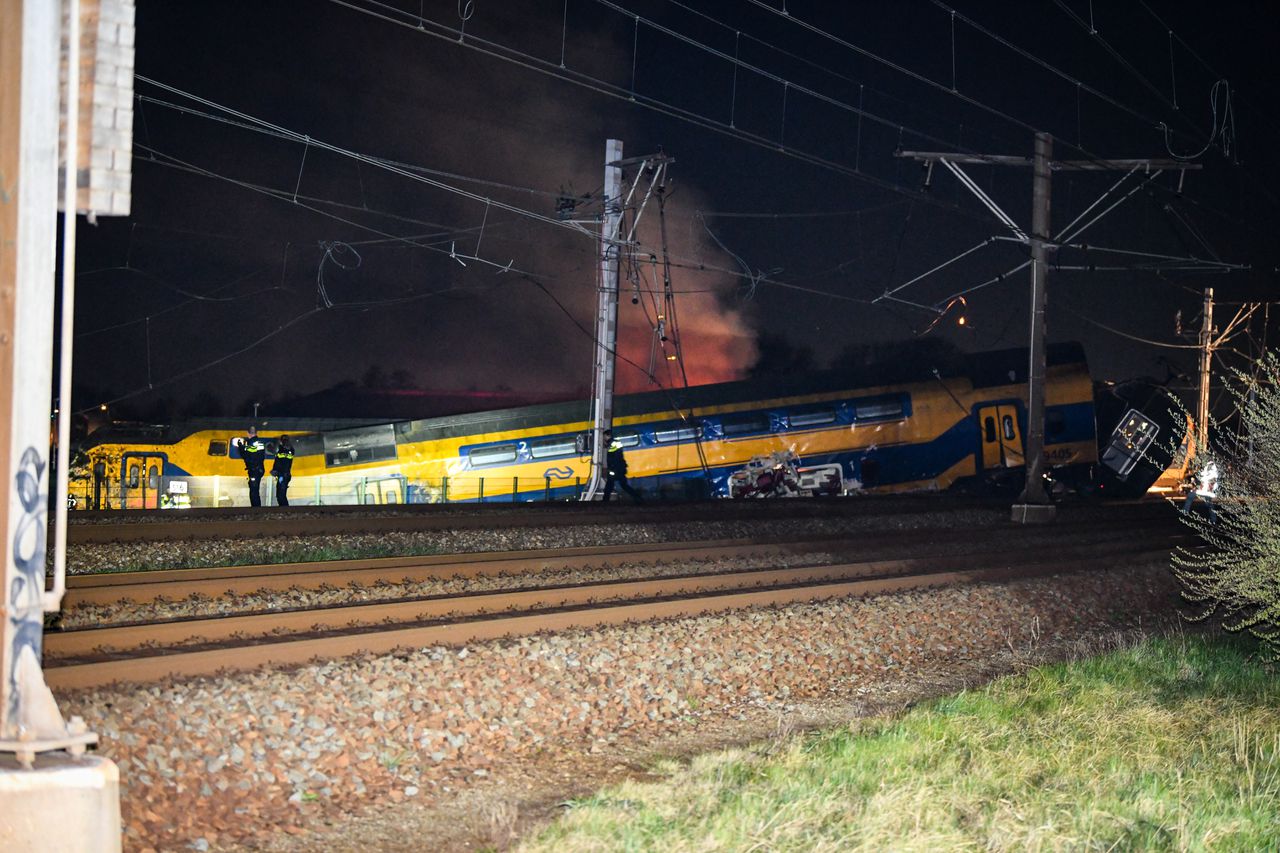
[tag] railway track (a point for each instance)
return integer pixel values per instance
(175, 584)
(204, 646)
(123, 526)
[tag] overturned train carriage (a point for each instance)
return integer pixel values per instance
(894, 428)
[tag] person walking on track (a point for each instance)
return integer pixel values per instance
(616, 463)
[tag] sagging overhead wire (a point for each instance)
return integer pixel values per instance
(753, 278)
(339, 254)
(1123, 334)
(756, 280)
(1223, 130)
(284, 196)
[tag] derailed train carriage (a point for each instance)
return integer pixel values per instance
(881, 428)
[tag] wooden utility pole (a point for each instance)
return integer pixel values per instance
(1206, 361)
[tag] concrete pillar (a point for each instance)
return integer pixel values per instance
(62, 805)
(49, 800)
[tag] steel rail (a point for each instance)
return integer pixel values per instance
(119, 526)
(178, 584)
(175, 584)
(573, 607)
(170, 633)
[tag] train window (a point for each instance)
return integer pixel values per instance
(496, 455)
(878, 409)
(307, 445)
(133, 476)
(359, 445)
(683, 434)
(741, 425)
(989, 428)
(823, 416)
(153, 478)
(357, 455)
(217, 448)
(271, 447)
(627, 439)
(1055, 423)
(1007, 423)
(562, 446)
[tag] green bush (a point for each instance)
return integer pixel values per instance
(1236, 578)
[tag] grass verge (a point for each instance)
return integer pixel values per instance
(1171, 744)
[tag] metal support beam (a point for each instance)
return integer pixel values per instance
(1034, 492)
(613, 243)
(1034, 504)
(606, 317)
(1146, 164)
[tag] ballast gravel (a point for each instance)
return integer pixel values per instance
(201, 606)
(232, 762)
(132, 556)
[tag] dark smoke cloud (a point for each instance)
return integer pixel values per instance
(397, 94)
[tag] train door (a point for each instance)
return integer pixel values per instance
(140, 475)
(1001, 438)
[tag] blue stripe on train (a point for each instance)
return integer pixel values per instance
(902, 463)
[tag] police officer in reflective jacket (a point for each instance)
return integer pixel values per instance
(254, 451)
(282, 469)
(616, 463)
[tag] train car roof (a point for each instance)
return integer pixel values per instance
(1000, 367)
(123, 432)
(983, 369)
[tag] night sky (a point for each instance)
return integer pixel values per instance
(257, 267)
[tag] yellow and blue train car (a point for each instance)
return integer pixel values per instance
(888, 428)
(901, 433)
(146, 466)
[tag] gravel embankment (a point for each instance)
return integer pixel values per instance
(934, 541)
(229, 762)
(199, 606)
(84, 559)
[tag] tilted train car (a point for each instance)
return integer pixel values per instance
(1152, 441)
(887, 428)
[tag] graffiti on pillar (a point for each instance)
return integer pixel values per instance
(26, 593)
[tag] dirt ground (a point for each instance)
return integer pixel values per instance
(495, 811)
